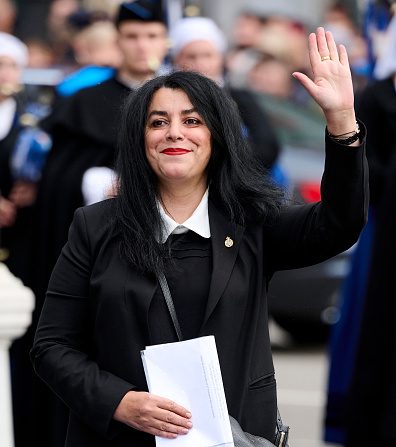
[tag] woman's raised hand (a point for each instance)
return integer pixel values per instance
(331, 86)
(153, 414)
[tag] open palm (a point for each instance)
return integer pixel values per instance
(331, 86)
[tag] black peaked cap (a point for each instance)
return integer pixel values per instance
(141, 10)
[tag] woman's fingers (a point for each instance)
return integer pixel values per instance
(153, 414)
(331, 45)
(322, 45)
(343, 55)
(173, 407)
(169, 422)
(313, 50)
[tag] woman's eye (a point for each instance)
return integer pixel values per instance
(192, 121)
(158, 123)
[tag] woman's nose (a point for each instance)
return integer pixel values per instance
(175, 132)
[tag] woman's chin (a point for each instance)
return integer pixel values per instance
(175, 174)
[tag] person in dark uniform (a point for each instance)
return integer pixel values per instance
(84, 127)
(371, 405)
(23, 148)
(193, 205)
(16, 195)
(361, 386)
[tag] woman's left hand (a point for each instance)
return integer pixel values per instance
(331, 86)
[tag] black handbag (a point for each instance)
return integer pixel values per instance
(241, 438)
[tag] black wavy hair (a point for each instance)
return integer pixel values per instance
(239, 186)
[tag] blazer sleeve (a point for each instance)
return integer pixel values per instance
(307, 234)
(60, 352)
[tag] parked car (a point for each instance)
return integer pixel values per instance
(304, 302)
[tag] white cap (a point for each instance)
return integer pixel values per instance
(12, 47)
(191, 29)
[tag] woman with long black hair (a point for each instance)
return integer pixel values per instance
(192, 205)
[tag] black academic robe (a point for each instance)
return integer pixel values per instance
(84, 132)
(371, 413)
(376, 107)
(97, 314)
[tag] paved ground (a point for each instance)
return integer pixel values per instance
(301, 374)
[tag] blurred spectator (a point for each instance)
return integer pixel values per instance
(59, 30)
(285, 38)
(373, 385)
(109, 7)
(338, 21)
(7, 16)
(242, 56)
(40, 53)
(97, 52)
(385, 66)
(376, 17)
(270, 33)
(371, 413)
(247, 28)
(97, 45)
(18, 173)
(198, 44)
(361, 386)
(23, 148)
(271, 75)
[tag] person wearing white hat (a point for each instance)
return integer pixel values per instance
(22, 144)
(13, 57)
(198, 44)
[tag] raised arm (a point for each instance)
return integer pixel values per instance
(308, 234)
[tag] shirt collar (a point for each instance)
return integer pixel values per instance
(197, 222)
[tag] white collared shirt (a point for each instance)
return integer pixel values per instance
(197, 222)
(7, 115)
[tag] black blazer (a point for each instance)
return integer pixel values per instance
(97, 311)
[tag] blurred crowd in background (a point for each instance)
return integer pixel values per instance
(60, 95)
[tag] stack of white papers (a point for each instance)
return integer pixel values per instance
(188, 372)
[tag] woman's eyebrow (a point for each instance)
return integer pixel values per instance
(158, 112)
(164, 113)
(188, 111)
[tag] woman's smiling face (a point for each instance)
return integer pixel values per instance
(177, 140)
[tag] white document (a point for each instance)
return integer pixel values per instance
(188, 372)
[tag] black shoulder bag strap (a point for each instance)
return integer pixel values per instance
(282, 433)
(169, 302)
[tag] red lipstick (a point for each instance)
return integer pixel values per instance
(175, 151)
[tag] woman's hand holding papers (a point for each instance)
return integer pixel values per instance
(153, 414)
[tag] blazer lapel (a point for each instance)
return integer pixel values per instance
(226, 238)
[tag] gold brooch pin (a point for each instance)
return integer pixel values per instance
(228, 242)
